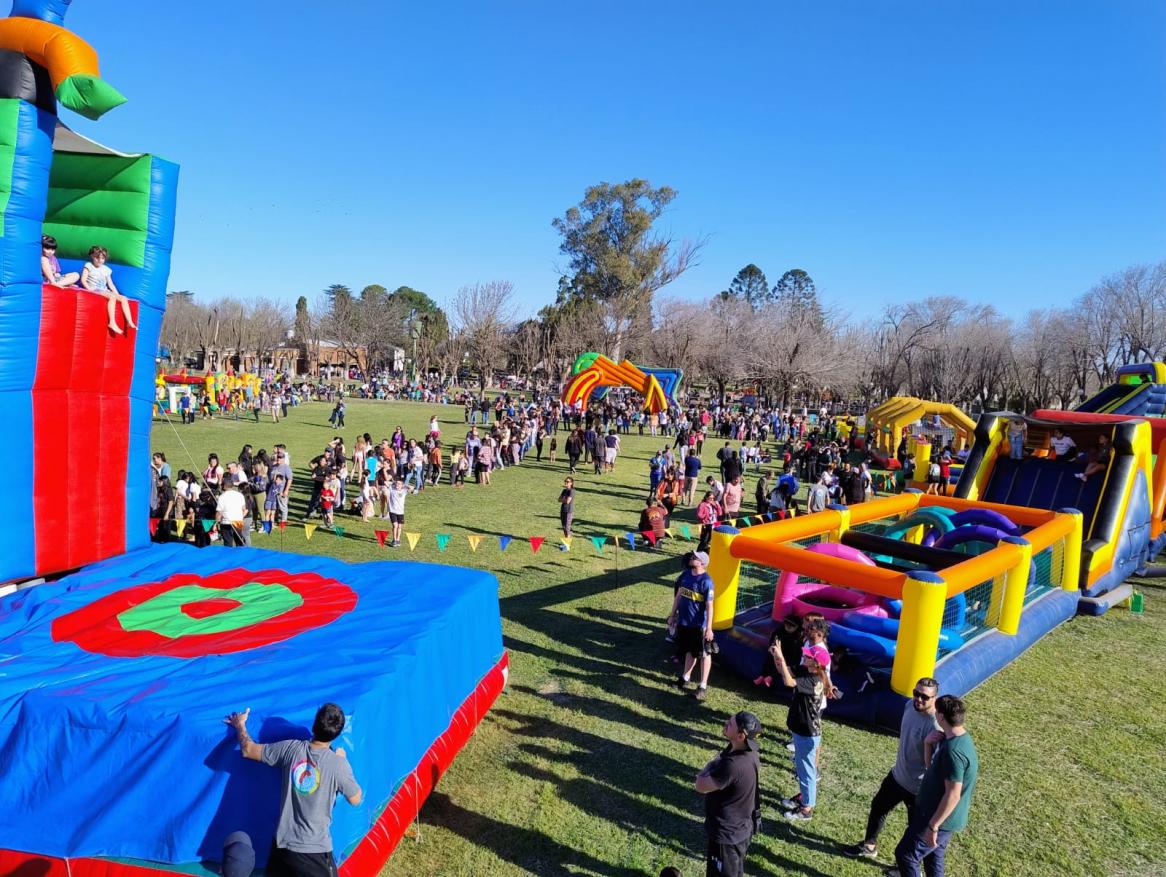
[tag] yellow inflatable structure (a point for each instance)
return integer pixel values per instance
(887, 422)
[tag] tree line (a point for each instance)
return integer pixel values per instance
(782, 338)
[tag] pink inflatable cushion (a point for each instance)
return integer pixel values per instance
(798, 597)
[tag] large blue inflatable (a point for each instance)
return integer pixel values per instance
(115, 675)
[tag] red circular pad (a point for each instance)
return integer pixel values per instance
(96, 627)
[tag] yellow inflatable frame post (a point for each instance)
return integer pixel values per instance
(924, 595)
(922, 454)
(1071, 566)
(843, 523)
(725, 571)
(1015, 586)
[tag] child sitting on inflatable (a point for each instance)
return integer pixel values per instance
(50, 266)
(96, 276)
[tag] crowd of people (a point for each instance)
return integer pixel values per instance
(935, 771)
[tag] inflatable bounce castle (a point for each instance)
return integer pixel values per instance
(120, 657)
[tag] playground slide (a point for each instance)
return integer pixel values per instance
(1148, 400)
(1115, 394)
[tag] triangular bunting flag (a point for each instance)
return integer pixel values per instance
(732, 522)
(598, 542)
(442, 540)
(207, 525)
(309, 529)
(283, 525)
(180, 526)
(267, 527)
(412, 537)
(503, 541)
(154, 522)
(631, 537)
(474, 539)
(339, 531)
(238, 525)
(381, 535)
(565, 544)
(536, 542)
(685, 532)
(650, 535)
(668, 531)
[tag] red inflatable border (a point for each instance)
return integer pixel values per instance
(95, 627)
(374, 848)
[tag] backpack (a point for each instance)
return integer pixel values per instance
(933, 470)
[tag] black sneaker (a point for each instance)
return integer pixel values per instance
(861, 851)
(701, 693)
(682, 683)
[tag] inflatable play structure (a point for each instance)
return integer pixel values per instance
(593, 374)
(911, 585)
(1140, 391)
(956, 586)
(171, 387)
(120, 656)
(889, 422)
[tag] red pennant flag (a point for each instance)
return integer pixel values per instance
(283, 525)
(650, 535)
(536, 542)
(382, 535)
(154, 522)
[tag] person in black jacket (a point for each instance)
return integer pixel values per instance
(731, 784)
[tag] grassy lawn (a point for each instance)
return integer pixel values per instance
(585, 765)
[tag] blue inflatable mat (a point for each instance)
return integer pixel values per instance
(127, 756)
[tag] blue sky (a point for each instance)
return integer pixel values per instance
(1002, 151)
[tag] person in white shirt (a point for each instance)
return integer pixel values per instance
(232, 509)
(1064, 447)
(397, 494)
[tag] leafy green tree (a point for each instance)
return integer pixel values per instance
(303, 320)
(749, 285)
(615, 257)
(338, 291)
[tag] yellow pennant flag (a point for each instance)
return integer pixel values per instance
(412, 537)
(474, 540)
(238, 525)
(180, 526)
(309, 529)
(732, 522)
(667, 532)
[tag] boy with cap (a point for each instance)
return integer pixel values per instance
(810, 684)
(732, 789)
(692, 615)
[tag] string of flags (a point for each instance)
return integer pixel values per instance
(632, 538)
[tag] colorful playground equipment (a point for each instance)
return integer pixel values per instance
(171, 387)
(905, 595)
(889, 422)
(593, 374)
(1140, 391)
(131, 647)
(957, 586)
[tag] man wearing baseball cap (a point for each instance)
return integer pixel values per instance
(732, 789)
(692, 613)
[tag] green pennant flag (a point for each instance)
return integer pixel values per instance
(442, 540)
(207, 525)
(598, 542)
(339, 531)
(685, 532)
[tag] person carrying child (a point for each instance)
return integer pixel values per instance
(96, 276)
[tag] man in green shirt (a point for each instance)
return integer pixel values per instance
(945, 795)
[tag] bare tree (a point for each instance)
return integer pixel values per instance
(482, 313)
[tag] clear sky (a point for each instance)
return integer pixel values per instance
(1005, 151)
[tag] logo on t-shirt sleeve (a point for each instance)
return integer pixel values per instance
(305, 777)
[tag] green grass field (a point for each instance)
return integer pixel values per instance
(585, 765)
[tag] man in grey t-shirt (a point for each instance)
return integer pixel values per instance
(312, 775)
(901, 785)
(282, 466)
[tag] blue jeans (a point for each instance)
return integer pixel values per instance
(912, 851)
(1015, 449)
(806, 764)
(414, 474)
